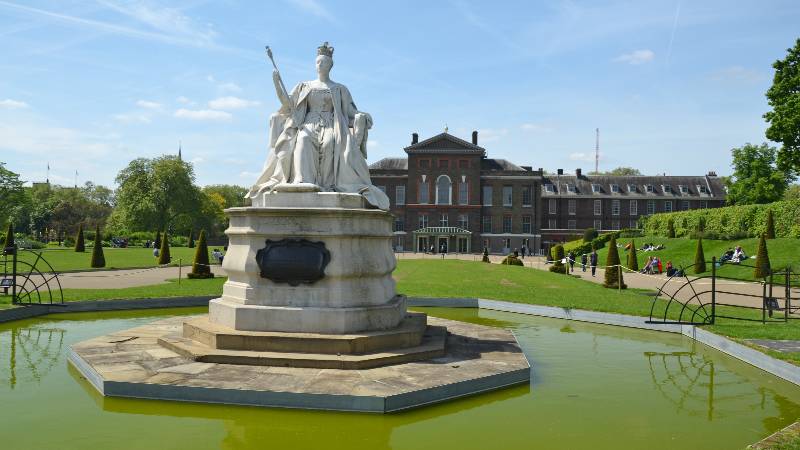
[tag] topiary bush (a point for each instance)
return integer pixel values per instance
(98, 258)
(633, 261)
(512, 260)
(157, 241)
(770, 225)
(9, 240)
(699, 258)
(200, 266)
(80, 243)
(763, 268)
(558, 256)
(589, 234)
(163, 253)
(613, 277)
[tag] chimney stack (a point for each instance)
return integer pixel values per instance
(414, 138)
(560, 171)
(475, 137)
(578, 172)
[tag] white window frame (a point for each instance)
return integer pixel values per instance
(703, 204)
(668, 206)
(598, 207)
(649, 188)
(571, 224)
(651, 207)
(615, 188)
(596, 188)
(422, 221)
(424, 193)
(631, 188)
(508, 220)
(487, 193)
(598, 224)
(508, 196)
(572, 206)
(527, 222)
(400, 195)
(449, 190)
(684, 189)
(486, 220)
(551, 206)
(529, 191)
(572, 188)
(548, 187)
(666, 188)
(463, 221)
(615, 207)
(552, 224)
(633, 207)
(686, 205)
(444, 220)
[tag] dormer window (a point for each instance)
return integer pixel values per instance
(549, 188)
(683, 188)
(649, 188)
(615, 188)
(572, 188)
(595, 188)
(666, 188)
(702, 189)
(631, 188)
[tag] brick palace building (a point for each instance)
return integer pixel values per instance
(447, 194)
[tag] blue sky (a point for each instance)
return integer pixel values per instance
(672, 85)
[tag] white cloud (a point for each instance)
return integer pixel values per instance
(535, 127)
(132, 118)
(166, 20)
(228, 103)
(581, 156)
(314, 8)
(197, 160)
(12, 104)
(636, 57)
(203, 114)
(148, 104)
(183, 100)
(230, 87)
(38, 140)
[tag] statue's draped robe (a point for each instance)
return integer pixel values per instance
(349, 160)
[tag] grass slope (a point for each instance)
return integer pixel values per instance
(782, 252)
(116, 258)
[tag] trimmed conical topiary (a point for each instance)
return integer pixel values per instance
(613, 270)
(558, 256)
(9, 242)
(200, 266)
(98, 258)
(191, 239)
(157, 242)
(699, 258)
(80, 243)
(633, 261)
(163, 253)
(770, 233)
(670, 229)
(763, 268)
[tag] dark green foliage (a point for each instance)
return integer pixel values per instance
(512, 260)
(633, 262)
(770, 233)
(784, 118)
(589, 234)
(200, 266)
(580, 247)
(98, 258)
(191, 239)
(9, 242)
(558, 255)
(756, 178)
(485, 255)
(157, 242)
(699, 258)
(613, 270)
(763, 268)
(163, 254)
(80, 243)
(671, 229)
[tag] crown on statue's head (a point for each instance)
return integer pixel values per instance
(325, 49)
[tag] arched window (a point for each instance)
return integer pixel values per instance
(443, 190)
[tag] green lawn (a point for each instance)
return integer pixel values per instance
(782, 252)
(455, 278)
(116, 258)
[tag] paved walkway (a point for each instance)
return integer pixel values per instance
(118, 279)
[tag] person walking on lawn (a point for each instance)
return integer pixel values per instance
(593, 261)
(583, 262)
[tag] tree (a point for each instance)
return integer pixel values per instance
(670, 229)
(613, 277)
(699, 258)
(589, 234)
(558, 256)
(154, 192)
(200, 266)
(770, 233)
(98, 258)
(784, 118)
(756, 178)
(163, 254)
(11, 192)
(763, 268)
(80, 243)
(633, 261)
(157, 241)
(191, 239)
(624, 171)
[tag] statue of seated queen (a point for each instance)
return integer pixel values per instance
(318, 138)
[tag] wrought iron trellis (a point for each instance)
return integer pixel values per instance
(30, 282)
(697, 303)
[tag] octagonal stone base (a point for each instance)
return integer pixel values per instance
(131, 363)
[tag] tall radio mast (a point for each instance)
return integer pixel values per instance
(597, 151)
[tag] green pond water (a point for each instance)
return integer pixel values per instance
(594, 387)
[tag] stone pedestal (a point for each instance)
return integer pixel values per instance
(356, 293)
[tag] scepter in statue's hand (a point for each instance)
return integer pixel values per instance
(283, 94)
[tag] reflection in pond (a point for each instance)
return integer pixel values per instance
(29, 353)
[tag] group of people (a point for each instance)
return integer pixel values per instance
(650, 247)
(589, 259)
(734, 256)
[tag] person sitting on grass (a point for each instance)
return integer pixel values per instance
(648, 268)
(738, 255)
(727, 256)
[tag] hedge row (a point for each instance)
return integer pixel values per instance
(579, 246)
(729, 222)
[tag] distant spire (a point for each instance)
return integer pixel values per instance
(179, 151)
(445, 128)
